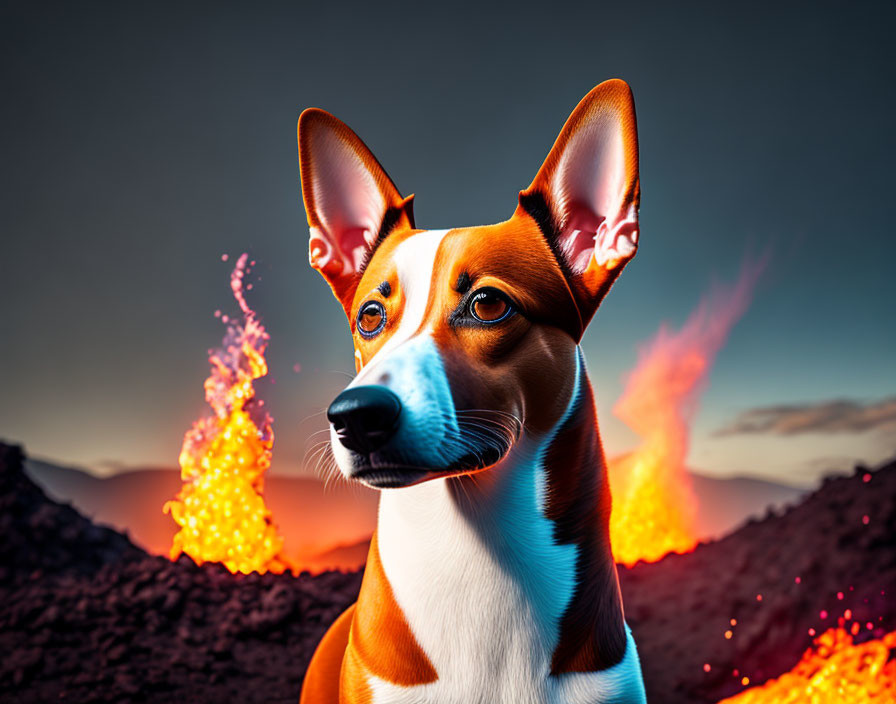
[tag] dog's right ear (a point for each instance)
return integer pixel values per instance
(351, 202)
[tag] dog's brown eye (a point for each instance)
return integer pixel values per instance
(371, 318)
(490, 306)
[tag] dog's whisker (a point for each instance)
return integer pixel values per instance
(341, 372)
(313, 415)
(315, 448)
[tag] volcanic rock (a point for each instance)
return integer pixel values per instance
(768, 584)
(85, 616)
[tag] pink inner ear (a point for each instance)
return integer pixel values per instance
(577, 238)
(589, 186)
(348, 200)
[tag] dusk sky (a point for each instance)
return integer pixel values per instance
(142, 142)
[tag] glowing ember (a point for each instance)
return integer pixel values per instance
(833, 671)
(653, 503)
(220, 508)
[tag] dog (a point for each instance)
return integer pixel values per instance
(490, 576)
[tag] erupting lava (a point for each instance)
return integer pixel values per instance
(653, 503)
(833, 671)
(220, 509)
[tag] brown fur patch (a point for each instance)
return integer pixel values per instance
(592, 631)
(381, 642)
(321, 685)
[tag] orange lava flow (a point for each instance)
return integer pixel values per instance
(220, 508)
(654, 508)
(833, 671)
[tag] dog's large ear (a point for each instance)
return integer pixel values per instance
(350, 201)
(586, 195)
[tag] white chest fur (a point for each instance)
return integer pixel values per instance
(483, 587)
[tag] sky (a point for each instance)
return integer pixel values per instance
(141, 142)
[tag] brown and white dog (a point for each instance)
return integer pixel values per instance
(490, 576)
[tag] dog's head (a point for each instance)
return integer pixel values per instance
(466, 337)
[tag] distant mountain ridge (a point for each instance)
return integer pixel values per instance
(312, 518)
(328, 527)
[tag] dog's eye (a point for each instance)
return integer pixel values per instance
(371, 319)
(490, 306)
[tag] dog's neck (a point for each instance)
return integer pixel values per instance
(509, 572)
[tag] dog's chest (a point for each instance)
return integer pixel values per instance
(620, 684)
(486, 620)
(484, 602)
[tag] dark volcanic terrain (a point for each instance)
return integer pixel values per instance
(85, 616)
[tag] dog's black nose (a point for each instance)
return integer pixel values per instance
(365, 417)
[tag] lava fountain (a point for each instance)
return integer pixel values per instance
(834, 670)
(653, 503)
(220, 508)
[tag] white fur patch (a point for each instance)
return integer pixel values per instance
(415, 259)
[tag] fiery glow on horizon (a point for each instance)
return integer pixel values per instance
(654, 507)
(832, 671)
(220, 508)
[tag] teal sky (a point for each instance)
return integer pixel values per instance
(141, 143)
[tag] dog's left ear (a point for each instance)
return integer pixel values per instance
(586, 195)
(350, 201)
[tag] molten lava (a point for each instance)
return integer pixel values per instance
(653, 504)
(220, 509)
(833, 671)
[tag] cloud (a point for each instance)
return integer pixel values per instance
(837, 416)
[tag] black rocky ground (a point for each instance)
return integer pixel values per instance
(680, 607)
(85, 616)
